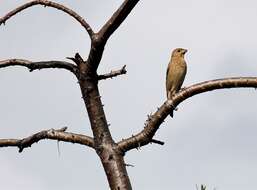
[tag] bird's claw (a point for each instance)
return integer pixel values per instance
(183, 88)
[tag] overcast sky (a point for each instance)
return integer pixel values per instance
(211, 139)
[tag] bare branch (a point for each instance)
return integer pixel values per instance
(38, 65)
(117, 18)
(113, 73)
(53, 134)
(49, 4)
(154, 121)
(99, 39)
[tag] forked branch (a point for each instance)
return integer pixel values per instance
(49, 4)
(99, 39)
(154, 121)
(58, 134)
(39, 65)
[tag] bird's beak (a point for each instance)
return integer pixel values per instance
(185, 50)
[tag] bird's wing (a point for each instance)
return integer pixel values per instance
(182, 78)
(168, 79)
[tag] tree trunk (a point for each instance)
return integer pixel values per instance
(111, 156)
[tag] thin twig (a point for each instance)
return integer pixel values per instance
(129, 165)
(157, 142)
(49, 4)
(77, 59)
(112, 74)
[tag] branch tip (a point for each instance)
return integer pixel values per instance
(124, 69)
(112, 74)
(71, 58)
(129, 165)
(2, 22)
(20, 149)
(63, 129)
(157, 142)
(77, 59)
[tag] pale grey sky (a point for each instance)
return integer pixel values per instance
(212, 138)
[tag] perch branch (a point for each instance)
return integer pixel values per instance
(154, 121)
(49, 4)
(53, 134)
(112, 74)
(38, 65)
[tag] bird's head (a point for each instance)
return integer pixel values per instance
(179, 52)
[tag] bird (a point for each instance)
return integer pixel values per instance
(176, 72)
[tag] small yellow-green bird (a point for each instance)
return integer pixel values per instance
(176, 72)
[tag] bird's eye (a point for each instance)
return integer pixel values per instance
(179, 50)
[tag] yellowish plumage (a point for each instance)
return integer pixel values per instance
(176, 72)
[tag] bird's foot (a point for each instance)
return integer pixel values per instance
(173, 108)
(183, 88)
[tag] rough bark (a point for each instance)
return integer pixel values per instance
(108, 151)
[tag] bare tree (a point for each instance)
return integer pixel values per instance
(111, 153)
